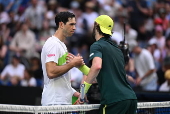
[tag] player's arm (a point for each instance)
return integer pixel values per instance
(94, 71)
(83, 68)
(148, 73)
(53, 70)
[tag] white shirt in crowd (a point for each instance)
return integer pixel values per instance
(13, 71)
(144, 62)
(165, 87)
(29, 83)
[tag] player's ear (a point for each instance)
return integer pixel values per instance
(61, 25)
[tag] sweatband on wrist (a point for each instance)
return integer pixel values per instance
(84, 69)
(87, 86)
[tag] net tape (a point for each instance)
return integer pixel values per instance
(58, 108)
(63, 108)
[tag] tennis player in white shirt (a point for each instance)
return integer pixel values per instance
(57, 86)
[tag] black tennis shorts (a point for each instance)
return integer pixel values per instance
(121, 107)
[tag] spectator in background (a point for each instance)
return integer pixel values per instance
(78, 41)
(162, 16)
(110, 8)
(131, 34)
(149, 23)
(138, 11)
(28, 80)
(36, 69)
(24, 42)
(3, 52)
(130, 71)
(166, 51)
(145, 68)
(167, 7)
(14, 23)
(167, 32)
(117, 37)
(81, 23)
(52, 9)
(7, 4)
(34, 16)
(165, 87)
(5, 32)
(155, 51)
(90, 15)
(13, 73)
(21, 15)
(143, 35)
(45, 33)
(122, 17)
(4, 20)
(164, 78)
(160, 39)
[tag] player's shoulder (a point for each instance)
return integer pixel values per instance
(51, 41)
(95, 45)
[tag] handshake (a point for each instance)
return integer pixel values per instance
(78, 62)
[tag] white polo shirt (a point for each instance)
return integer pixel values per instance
(143, 63)
(58, 90)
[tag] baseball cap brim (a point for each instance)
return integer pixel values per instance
(106, 31)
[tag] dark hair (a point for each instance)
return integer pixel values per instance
(1, 7)
(63, 17)
(1, 42)
(15, 56)
(29, 71)
(100, 32)
(166, 42)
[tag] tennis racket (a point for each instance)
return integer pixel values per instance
(82, 94)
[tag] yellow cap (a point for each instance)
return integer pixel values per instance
(105, 23)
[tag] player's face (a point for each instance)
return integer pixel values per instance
(69, 27)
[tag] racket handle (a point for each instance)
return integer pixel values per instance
(82, 94)
(82, 100)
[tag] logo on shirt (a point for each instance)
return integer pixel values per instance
(91, 54)
(50, 55)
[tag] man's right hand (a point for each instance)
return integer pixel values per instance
(82, 102)
(76, 60)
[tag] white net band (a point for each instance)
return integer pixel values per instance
(71, 108)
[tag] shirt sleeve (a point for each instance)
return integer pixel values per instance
(95, 51)
(52, 53)
(73, 90)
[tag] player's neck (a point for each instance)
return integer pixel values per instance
(98, 36)
(59, 35)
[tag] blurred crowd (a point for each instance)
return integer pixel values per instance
(26, 24)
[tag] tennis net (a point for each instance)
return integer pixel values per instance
(143, 108)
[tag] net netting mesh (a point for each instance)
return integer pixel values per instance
(143, 108)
